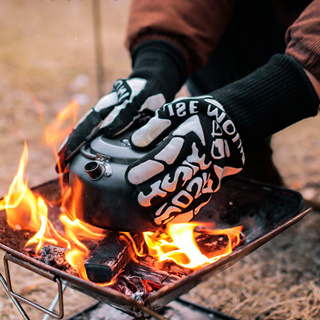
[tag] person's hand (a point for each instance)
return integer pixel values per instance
(195, 146)
(156, 77)
(129, 100)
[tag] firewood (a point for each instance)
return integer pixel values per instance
(212, 245)
(155, 277)
(110, 257)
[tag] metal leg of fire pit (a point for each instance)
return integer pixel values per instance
(16, 298)
(13, 299)
(55, 300)
(18, 305)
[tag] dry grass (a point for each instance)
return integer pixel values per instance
(47, 51)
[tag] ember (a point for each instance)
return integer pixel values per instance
(55, 257)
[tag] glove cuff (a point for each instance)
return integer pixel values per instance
(269, 99)
(161, 64)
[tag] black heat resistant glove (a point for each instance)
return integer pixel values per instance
(180, 175)
(177, 178)
(158, 73)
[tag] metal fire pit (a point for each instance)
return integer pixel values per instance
(263, 211)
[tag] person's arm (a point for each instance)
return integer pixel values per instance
(315, 82)
(158, 73)
(167, 39)
(195, 142)
(195, 27)
(303, 42)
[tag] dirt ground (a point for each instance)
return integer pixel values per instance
(47, 53)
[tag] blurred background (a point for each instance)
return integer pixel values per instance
(47, 53)
(48, 58)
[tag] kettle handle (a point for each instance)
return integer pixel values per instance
(86, 153)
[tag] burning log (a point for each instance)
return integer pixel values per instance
(155, 276)
(165, 269)
(212, 245)
(111, 256)
(141, 280)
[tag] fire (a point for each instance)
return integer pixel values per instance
(179, 244)
(55, 132)
(60, 129)
(29, 211)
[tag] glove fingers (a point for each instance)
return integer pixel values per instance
(106, 104)
(157, 161)
(119, 119)
(81, 133)
(86, 129)
(127, 114)
(130, 96)
(157, 190)
(173, 165)
(157, 128)
(186, 177)
(188, 140)
(181, 208)
(150, 134)
(167, 118)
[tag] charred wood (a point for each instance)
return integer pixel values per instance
(141, 280)
(212, 245)
(111, 256)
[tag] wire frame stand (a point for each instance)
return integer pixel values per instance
(16, 298)
(178, 309)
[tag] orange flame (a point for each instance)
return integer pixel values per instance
(54, 132)
(38, 106)
(28, 210)
(60, 129)
(21, 205)
(179, 244)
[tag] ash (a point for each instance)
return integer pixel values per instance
(56, 257)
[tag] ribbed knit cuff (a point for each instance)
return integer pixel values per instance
(269, 99)
(162, 64)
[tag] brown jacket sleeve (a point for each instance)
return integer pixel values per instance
(303, 39)
(194, 26)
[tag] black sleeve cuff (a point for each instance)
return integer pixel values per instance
(161, 63)
(270, 99)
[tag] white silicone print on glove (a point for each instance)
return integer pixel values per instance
(177, 178)
(125, 112)
(112, 114)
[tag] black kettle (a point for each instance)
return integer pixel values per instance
(97, 181)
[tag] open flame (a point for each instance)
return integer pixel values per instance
(29, 211)
(179, 244)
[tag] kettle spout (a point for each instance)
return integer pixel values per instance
(94, 169)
